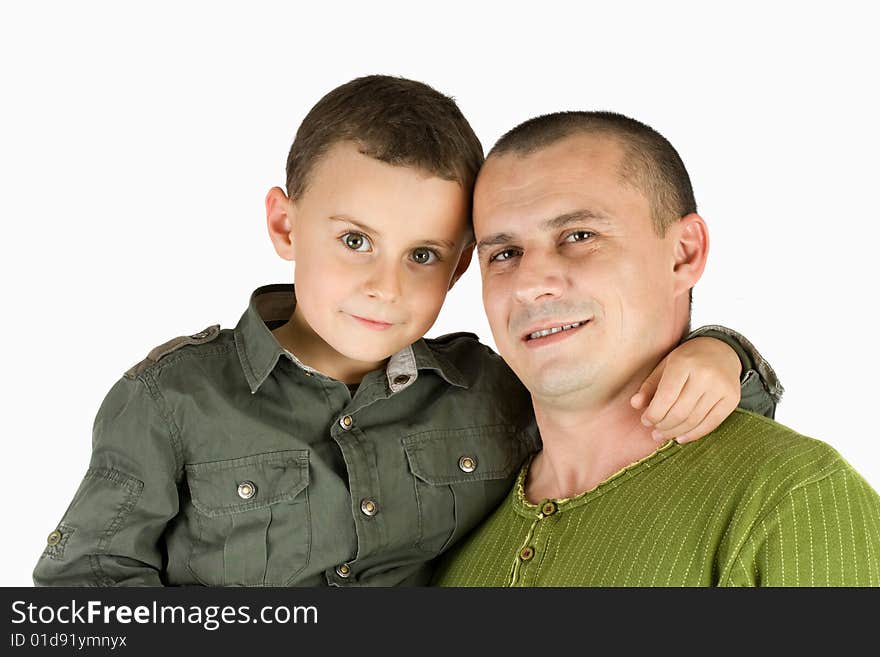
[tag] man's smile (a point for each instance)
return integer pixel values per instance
(548, 333)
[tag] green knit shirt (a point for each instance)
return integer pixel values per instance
(752, 504)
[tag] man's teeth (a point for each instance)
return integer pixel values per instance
(551, 331)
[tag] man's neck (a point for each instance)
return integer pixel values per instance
(585, 443)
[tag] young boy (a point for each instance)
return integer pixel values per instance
(323, 441)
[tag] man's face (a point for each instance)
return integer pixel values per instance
(376, 247)
(578, 288)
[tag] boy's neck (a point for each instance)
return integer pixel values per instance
(301, 340)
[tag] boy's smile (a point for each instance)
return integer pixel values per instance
(376, 247)
(373, 324)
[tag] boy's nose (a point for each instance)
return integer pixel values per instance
(384, 283)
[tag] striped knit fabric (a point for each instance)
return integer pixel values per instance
(753, 504)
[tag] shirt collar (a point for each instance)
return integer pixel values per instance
(259, 351)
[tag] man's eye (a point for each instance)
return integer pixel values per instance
(506, 254)
(578, 236)
(356, 242)
(424, 256)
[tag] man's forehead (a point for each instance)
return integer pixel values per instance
(573, 161)
(573, 174)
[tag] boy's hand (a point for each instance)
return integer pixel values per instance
(694, 389)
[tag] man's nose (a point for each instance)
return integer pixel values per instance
(539, 277)
(384, 282)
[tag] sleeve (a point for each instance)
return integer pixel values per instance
(825, 533)
(110, 534)
(761, 389)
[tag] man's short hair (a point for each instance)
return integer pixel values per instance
(394, 120)
(650, 163)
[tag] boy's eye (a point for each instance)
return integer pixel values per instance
(356, 242)
(578, 236)
(506, 254)
(424, 256)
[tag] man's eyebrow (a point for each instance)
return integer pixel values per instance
(351, 220)
(494, 240)
(577, 216)
(554, 223)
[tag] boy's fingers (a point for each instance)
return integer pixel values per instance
(698, 413)
(647, 389)
(682, 408)
(668, 391)
(714, 418)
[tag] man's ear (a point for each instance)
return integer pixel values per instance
(279, 221)
(464, 262)
(691, 249)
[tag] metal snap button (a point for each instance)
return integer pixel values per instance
(346, 422)
(526, 553)
(369, 507)
(548, 509)
(343, 570)
(54, 538)
(467, 463)
(247, 489)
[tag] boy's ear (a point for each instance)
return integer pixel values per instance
(691, 249)
(279, 221)
(464, 262)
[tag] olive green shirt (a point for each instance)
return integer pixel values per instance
(222, 460)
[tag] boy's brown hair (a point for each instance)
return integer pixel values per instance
(394, 120)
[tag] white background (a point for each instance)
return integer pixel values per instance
(137, 145)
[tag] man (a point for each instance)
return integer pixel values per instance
(589, 244)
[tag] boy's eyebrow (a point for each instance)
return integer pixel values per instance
(443, 244)
(350, 220)
(554, 223)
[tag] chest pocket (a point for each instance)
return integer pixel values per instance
(460, 476)
(252, 519)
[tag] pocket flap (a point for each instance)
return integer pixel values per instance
(460, 455)
(248, 483)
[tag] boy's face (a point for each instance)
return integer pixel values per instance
(376, 247)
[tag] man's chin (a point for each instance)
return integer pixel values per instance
(559, 381)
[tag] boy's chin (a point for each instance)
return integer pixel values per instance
(377, 352)
(375, 355)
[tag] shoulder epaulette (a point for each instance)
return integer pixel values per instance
(158, 353)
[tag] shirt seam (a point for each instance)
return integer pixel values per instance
(165, 413)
